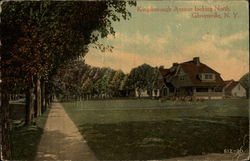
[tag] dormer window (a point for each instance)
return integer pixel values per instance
(182, 77)
(207, 76)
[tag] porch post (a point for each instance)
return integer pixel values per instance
(194, 92)
(167, 94)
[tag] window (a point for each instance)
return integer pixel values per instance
(239, 87)
(208, 77)
(182, 77)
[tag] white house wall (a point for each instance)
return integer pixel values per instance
(238, 91)
(143, 93)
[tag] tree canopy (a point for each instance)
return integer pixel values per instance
(244, 80)
(81, 78)
(39, 37)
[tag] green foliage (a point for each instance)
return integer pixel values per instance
(41, 36)
(116, 82)
(74, 77)
(105, 81)
(244, 80)
(124, 83)
(144, 77)
(87, 86)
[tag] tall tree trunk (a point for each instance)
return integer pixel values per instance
(44, 108)
(46, 96)
(38, 103)
(5, 146)
(30, 100)
(51, 96)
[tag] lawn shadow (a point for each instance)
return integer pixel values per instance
(25, 139)
(147, 140)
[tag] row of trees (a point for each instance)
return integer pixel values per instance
(38, 38)
(244, 80)
(80, 79)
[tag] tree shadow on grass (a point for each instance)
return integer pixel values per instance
(164, 139)
(25, 139)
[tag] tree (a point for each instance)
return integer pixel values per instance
(125, 85)
(116, 82)
(105, 82)
(88, 87)
(244, 80)
(154, 79)
(141, 78)
(99, 85)
(52, 29)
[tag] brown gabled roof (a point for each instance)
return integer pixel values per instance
(193, 70)
(191, 67)
(164, 72)
(231, 86)
(226, 82)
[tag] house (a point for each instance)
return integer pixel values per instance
(192, 79)
(234, 89)
(159, 89)
(142, 93)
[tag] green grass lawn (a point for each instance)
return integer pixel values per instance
(25, 139)
(149, 129)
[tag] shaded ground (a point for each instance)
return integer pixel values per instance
(165, 139)
(61, 139)
(138, 129)
(25, 139)
(213, 157)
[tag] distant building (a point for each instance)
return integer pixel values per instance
(234, 89)
(142, 93)
(193, 79)
(159, 89)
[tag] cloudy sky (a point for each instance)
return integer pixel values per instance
(164, 37)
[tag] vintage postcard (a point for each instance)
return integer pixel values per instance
(125, 80)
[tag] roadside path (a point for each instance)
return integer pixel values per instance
(61, 139)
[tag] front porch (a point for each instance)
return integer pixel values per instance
(208, 92)
(195, 92)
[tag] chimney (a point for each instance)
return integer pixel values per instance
(196, 60)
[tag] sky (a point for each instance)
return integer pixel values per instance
(164, 32)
